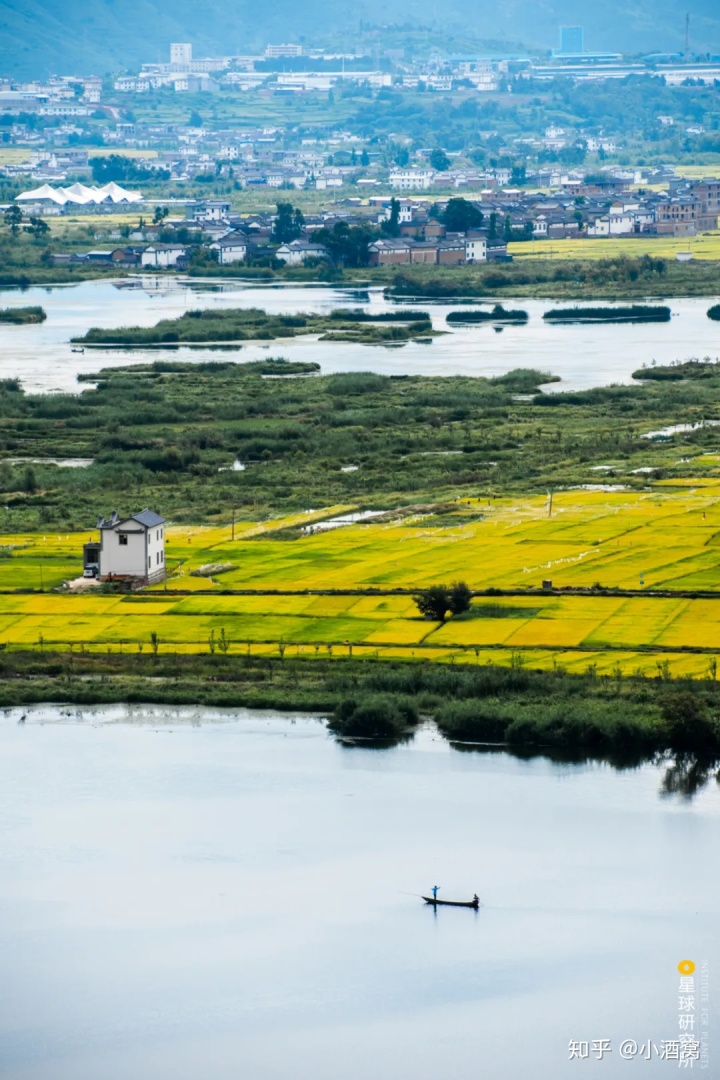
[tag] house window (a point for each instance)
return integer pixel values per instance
(149, 562)
(122, 540)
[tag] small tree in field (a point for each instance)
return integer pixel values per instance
(460, 597)
(434, 602)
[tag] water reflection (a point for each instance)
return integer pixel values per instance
(685, 775)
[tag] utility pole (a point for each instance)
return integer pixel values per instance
(232, 535)
(550, 494)
(687, 36)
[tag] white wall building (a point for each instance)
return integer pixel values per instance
(180, 53)
(162, 255)
(274, 52)
(476, 250)
(299, 251)
(132, 547)
(621, 221)
(410, 180)
(231, 248)
(609, 146)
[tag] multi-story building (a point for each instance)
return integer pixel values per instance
(275, 52)
(677, 217)
(571, 40)
(132, 547)
(707, 193)
(410, 180)
(475, 249)
(180, 53)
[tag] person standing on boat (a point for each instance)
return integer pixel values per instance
(435, 891)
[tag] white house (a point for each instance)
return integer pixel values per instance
(132, 547)
(410, 180)
(230, 248)
(621, 220)
(162, 255)
(299, 251)
(213, 210)
(476, 250)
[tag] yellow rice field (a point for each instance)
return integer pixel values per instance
(704, 246)
(667, 538)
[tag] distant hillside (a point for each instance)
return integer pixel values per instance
(42, 36)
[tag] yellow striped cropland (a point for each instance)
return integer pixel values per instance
(665, 539)
(704, 246)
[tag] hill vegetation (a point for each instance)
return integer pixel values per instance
(110, 36)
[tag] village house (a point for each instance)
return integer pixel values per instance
(451, 252)
(621, 220)
(163, 255)
(298, 252)
(389, 252)
(410, 179)
(677, 217)
(231, 248)
(476, 248)
(212, 210)
(424, 251)
(707, 192)
(129, 548)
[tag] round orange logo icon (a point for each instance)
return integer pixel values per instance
(686, 967)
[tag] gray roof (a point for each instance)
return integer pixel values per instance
(234, 240)
(148, 518)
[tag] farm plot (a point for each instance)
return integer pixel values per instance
(666, 537)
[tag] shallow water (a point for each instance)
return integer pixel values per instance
(582, 355)
(197, 893)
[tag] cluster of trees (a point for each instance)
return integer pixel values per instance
(119, 169)
(435, 601)
(348, 244)
(289, 224)
(460, 215)
(13, 219)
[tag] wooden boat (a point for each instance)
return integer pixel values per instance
(452, 903)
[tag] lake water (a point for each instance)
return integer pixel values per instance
(581, 355)
(190, 893)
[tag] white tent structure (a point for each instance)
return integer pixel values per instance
(112, 193)
(42, 194)
(80, 195)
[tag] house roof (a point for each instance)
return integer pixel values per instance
(234, 240)
(147, 518)
(301, 245)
